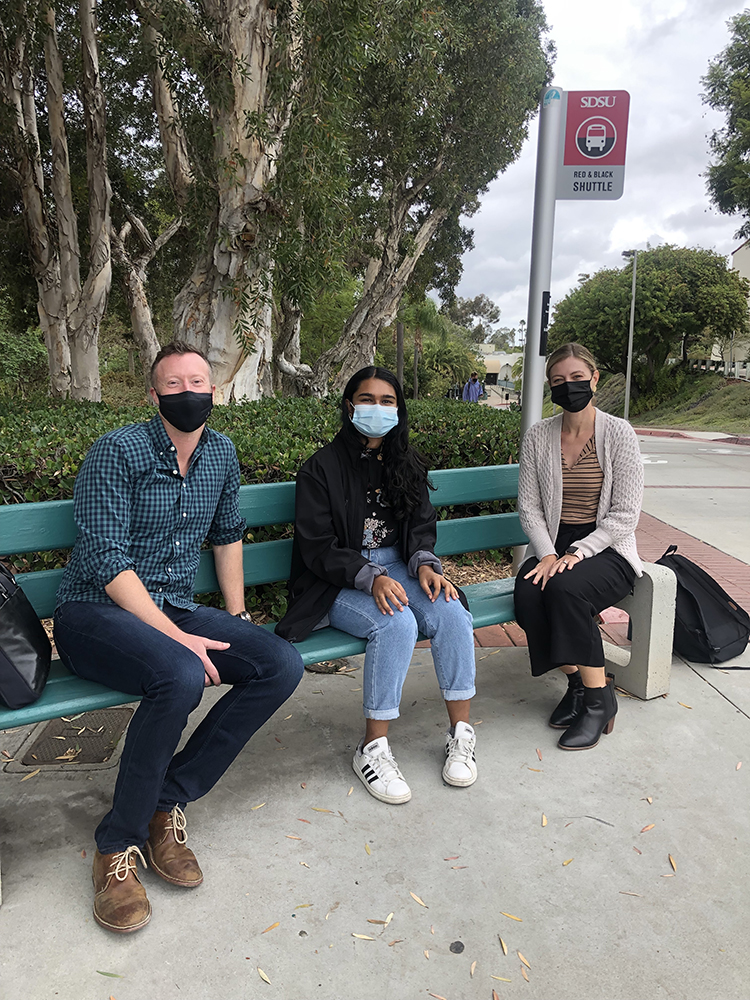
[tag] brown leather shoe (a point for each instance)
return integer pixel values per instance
(167, 852)
(120, 901)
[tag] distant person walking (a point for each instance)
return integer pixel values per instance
(473, 389)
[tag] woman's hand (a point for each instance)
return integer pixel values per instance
(549, 565)
(385, 589)
(432, 583)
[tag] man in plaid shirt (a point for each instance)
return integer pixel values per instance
(146, 497)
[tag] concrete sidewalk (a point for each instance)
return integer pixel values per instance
(299, 859)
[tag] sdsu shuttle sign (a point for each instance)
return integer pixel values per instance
(591, 163)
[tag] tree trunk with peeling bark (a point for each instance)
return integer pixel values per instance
(386, 279)
(225, 306)
(69, 314)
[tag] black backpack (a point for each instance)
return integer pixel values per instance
(709, 627)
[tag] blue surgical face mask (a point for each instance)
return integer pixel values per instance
(373, 420)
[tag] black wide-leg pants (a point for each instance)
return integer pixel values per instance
(560, 621)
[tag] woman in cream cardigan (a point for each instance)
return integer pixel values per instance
(579, 498)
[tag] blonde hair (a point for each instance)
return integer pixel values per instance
(571, 350)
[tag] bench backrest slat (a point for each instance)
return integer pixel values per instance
(39, 527)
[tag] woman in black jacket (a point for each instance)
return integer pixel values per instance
(364, 562)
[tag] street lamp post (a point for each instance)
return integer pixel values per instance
(629, 372)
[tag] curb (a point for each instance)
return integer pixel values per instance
(686, 435)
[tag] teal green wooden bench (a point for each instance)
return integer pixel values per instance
(40, 527)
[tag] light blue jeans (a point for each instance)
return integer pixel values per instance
(391, 638)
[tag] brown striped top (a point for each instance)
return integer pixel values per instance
(582, 487)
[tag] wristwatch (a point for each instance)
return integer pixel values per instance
(245, 616)
(573, 551)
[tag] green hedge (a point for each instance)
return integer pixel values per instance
(42, 449)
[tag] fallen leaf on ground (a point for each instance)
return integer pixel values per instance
(259, 806)
(303, 820)
(277, 739)
(317, 809)
(684, 705)
(83, 853)
(544, 820)
(363, 937)
(567, 862)
(436, 995)
(432, 928)
(647, 828)
(523, 959)
(263, 976)
(305, 906)
(350, 790)
(637, 851)
(672, 862)
(537, 769)
(367, 848)
(473, 969)
(454, 858)
(524, 974)
(502, 980)
(739, 765)
(670, 875)
(388, 919)
(478, 722)
(290, 836)
(418, 900)
(495, 996)
(112, 975)
(456, 868)
(511, 916)
(397, 941)
(26, 778)
(503, 945)
(287, 717)
(624, 892)
(6, 755)
(370, 921)
(271, 927)
(304, 864)
(539, 753)
(303, 784)
(426, 953)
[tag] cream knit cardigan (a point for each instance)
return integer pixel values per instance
(540, 488)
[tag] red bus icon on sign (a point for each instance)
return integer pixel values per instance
(596, 137)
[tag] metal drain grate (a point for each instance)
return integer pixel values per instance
(90, 738)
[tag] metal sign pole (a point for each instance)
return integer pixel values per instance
(550, 118)
(547, 155)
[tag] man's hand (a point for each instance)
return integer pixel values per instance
(200, 646)
(432, 583)
(549, 565)
(385, 590)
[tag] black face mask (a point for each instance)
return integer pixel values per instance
(186, 410)
(572, 396)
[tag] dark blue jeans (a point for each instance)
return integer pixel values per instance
(104, 643)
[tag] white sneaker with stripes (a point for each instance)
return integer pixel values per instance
(379, 773)
(460, 760)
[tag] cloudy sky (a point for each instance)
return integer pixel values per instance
(658, 51)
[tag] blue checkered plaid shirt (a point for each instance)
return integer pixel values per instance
(135, 511)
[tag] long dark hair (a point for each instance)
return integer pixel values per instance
(404, 469)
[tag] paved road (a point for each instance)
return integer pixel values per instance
(701, 487)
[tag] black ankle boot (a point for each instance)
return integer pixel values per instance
(571, 705)
(600, 708)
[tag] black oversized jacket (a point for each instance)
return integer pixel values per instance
(329, 520)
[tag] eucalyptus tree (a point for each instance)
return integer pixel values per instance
(36, 157)
(444, 97)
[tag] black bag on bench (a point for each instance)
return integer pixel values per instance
(709, 627)
(25, 650)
